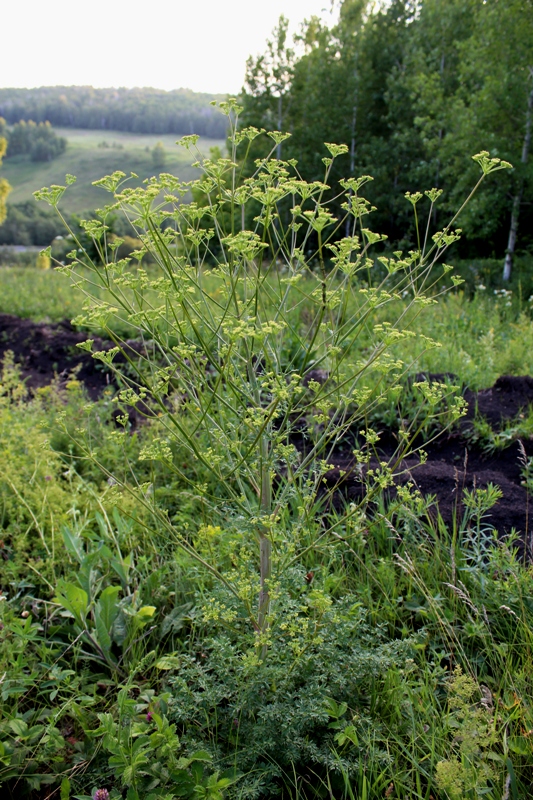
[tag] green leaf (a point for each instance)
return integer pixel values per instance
(120, 628)
(107, 606)
(74, 599)
(122, 567)
(520, 745)
(168, 662)
(145, 614)
(201, 755)
(19, 727)
(182, 783)
(73, 541)
(106, 612)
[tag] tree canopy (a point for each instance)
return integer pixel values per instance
(414, 88)
(39, 141)
(135, 110)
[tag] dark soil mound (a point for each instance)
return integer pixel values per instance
(46, 352)
(456, 463)
(506, 399)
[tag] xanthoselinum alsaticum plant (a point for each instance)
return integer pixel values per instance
(264, 328)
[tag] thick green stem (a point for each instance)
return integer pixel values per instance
(265, 546)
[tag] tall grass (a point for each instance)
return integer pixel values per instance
(481, 337)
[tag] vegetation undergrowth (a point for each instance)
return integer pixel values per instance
(481, 336)
(189, 609)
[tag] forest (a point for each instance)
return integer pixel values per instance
(266, 425)
(414, 89)
(135, 110)
(39, 141)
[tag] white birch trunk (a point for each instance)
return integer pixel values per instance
(517, 200)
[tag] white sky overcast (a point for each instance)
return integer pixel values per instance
(198, 44)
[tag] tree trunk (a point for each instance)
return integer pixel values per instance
(513, 231)
(517, 200)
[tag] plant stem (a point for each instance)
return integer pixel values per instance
(265, 546)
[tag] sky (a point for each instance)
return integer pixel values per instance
(197, 44)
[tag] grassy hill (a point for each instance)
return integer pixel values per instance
(90, 155)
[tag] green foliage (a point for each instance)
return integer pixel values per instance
(274, 718)
(39, 141)
(355, 693)
(139, 110)
(86, 158)
(145, 753)
(187, 609)
(4, 185)
(512, 430)
(30, 481)
(234, 312)
(471, 771)
(412, 88)
(159, 155)
(28, 224)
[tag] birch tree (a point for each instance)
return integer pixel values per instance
(517, 200)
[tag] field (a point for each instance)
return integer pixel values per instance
(92, 154)
(265, 517)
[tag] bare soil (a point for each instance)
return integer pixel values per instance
(47, 352)
(455, 463)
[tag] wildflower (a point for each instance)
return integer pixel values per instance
(149, 717)
(101, 794)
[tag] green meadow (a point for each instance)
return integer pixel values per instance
(90, 155)
(481, 337)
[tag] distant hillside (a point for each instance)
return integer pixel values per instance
(149, 111)
(92, 154)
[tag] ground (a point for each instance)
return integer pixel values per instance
(48, 351)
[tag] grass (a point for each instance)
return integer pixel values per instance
(37, 295)
(402, 667)
(89, 161)
(482, 338)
